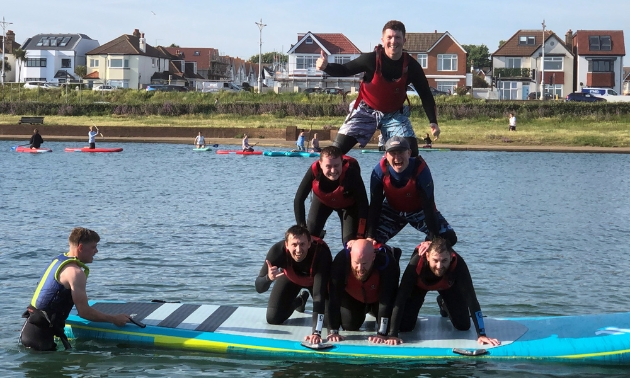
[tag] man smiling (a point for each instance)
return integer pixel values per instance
(380, 104)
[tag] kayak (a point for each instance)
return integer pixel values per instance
(86, 149)
(291, 153)
(202, 149)
(239, 152)
(244, 331)
(419, 149)
(31, 150)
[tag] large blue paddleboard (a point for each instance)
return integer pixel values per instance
(244, 331)
(419, 149)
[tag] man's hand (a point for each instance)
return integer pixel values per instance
(393, 341)
(486, 340)
(377, 339)
(322, 62)
(334, 337)
(435, 130)
(120, 320)
(273, 272)
(313, 339)
(423, 247)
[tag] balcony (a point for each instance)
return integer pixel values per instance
(512, 72)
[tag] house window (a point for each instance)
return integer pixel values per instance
(526, 40)
(93, 62)
(64, 41)
(554, 90)
(422, 59)
(153, 62)
(119, 83)
(601, 65)
(446, 86)
(599, 43)
(513, 63)
(41, 41)
(119, 63)
(342, 59)
(553, 63)
(304, 62)
(309, 40)
(508, 90)
(196, 53)
(36, 62)
(447, 62)
(66, 63)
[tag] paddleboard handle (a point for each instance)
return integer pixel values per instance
(137, 322)
(470, 352)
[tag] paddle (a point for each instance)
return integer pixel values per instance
(21, 145)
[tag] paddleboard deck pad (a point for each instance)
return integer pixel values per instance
(202, 149)
(244, 331)
(291, 153)
(86, 149)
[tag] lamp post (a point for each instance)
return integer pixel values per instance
(260, 27)
(542, 66)
(4, 37)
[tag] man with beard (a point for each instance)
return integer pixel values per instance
(363, 280)
(383, 91)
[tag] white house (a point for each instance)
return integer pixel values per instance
(53, 57)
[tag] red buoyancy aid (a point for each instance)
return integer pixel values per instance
(298, 279)
(381, 94)
(407, 198)
(365, 291)
(442, 284)
(334, 199)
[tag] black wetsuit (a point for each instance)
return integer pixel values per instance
(345, 310)
(353, 218)
(460, 298)
(36, 140)
(283, 299)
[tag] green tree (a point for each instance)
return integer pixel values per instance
(20, 56)
(173, 45)
(7, 65)
(81, 71)
(502, 42)
(269, 58)
(479, 55)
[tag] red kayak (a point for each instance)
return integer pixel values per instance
(32, 150)
(87, 149)
(239, 152)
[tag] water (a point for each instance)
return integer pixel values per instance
(543, 234)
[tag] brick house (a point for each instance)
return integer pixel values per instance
(599, 58)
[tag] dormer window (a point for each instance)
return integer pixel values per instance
(599, 43)
(64, 41)
(309, 40)
(526, 40)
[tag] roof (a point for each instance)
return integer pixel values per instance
(201, 55)
(626, 73)
(92, 75)
(512, 48)
(127, 45)
(332, 43)
(424, 42)
(62, 42)
(580, 41)
(9, 48)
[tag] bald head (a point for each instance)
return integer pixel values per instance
(362, 257)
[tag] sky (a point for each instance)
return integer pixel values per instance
(229, 26)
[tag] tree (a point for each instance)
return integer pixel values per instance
(173, 45)
(81, 71)
(20, 56)
(7, 65)
(269, 58)
(502, 42)
(479, 55)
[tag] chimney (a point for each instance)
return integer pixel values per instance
(136, 33)
(436, 31)
(142, 44)
(568, 39)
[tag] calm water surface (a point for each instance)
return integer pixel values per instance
(543, 234)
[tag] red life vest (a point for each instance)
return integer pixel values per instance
(334, 199)
(442, 284)
(381, 94)
(407, 198)
(298, 279)
(365, 291)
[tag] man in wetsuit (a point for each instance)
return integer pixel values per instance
(336, 183)
(439, 268)
(363, 280)
(299, 261)
(380, 104)
(401, 192)
(36, 139)
(61, 287)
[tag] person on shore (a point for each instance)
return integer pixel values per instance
(401, 192)
(92, 134)
(363, 279)
(62, 286)
(200, 141)
(381, 144)
(439, 269)
(245, 144)
(427, 141)
(298, 262)
(336, 183)
(315, 144)
(36, 140)
(300, 142)
(512, 122)
(382, 94)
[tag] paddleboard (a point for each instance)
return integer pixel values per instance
(291, 153)
(86, 149)
(202, 149)
(31, 150)
(419, 149)
(244, 331)
(239, 152)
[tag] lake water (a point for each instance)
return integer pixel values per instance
(543, 234)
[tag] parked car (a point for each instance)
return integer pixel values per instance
(312, 90)
(411, 91)
(104, 88)
(536, 96)
(39, 84)
(334, 91)
(166, 88)
(600, 91)
(583, 97)
(437, 92)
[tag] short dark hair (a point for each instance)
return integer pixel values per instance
(81, 235)
(395, 25)
(332, 152)
(440, 245)
(297, 230)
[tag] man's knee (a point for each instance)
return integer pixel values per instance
(461, 324)
(275, 316)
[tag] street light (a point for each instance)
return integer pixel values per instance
(4, 37)
(260, 27)
(542, 66)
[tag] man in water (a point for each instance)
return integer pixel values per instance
(61, 287)
(444, 270)
(380, 104)
(362, 280)
(335, 180)
(299, 261)
(36, 140)
(401, 192)
(245, 144)
(92, 134)
(200, 141)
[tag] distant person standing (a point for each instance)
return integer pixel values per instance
(315, 144)
(300, 142)
(381, 143)
(427, 141)
(512, 122)
(36, 139)
(92, 134)
(200, 141)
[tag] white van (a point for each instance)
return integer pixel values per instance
(601, 92)
(218, 86)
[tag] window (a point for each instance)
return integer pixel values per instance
(41, 41)
(599, 43)
(304, 62)
(342, 59)
(422, 59)
(513, 63)
(526, 40)
(119, 83)
(554, 90)
(45, 41)
(119, 63)
(309, 40)
(64, 41)
(196, 53)
(446, 86)
(153, 62)
(93, 62)
(447, 62)
(66, 63)
(553, 63)
(508, 90)
(36, 62)
(601, 65)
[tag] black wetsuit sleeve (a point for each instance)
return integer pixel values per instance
(376, 204)
(32, 140)
(465, 287)
(300, 196)
(320, 282)
(276, 257)
(338, 273)
(364, 63)
(420, 83)
(360, 196)
(388, 288)
(407, 283)
(424, 185)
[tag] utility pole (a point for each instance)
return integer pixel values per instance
(4, 37)
(260, 27)
(542, 66)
